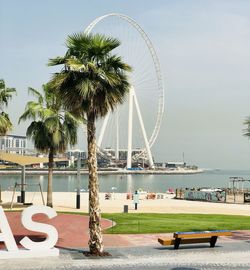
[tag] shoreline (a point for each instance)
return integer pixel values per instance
(102, 172)
(66, 202)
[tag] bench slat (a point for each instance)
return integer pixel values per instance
(195, 240)
(201, 234)
(213, 231)
(166, 242)
(169, 242)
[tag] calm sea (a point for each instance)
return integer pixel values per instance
(130, 183)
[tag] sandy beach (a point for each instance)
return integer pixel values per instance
(66, 201)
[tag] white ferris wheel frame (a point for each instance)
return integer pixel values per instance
(132, 95)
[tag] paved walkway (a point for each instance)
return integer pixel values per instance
(225, 256)
(72, 229)
(140, 251)
(73, 232)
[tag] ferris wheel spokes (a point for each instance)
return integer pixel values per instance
(130, 127)
(133, 99)
(103, 128)
(144, 134)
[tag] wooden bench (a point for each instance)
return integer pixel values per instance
(194, 237)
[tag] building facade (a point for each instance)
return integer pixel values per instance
(13, 144)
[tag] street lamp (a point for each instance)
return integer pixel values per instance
(78, 191)
(114, 188)
(23, 185)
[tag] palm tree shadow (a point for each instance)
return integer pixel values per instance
(182, 247)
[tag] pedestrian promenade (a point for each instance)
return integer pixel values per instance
(73, 232)
(138, 251)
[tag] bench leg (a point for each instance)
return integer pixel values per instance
(213, 241)
(177, 243)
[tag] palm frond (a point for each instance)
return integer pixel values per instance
(75, 65)
(36, 94)
(94, 79)
(51, 128)
(246, 131)
(5, 93)
(56, 61)
(5, 123)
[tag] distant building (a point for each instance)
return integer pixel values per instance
(13, 144)
(74, 153)
(175, 165)
(110, 153)
(73, 156)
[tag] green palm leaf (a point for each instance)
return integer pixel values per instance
(5, 95)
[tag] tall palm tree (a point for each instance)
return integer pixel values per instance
(91, 82)
(5, 96)
(51, 129)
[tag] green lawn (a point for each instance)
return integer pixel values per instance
(163, 223)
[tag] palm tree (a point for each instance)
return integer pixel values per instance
(51, 129)
(5, 96)
(91, 82)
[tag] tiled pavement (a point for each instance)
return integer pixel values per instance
(73, 232)
(140, 252)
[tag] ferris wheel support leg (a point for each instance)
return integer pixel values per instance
(144, 134)
(117, 135)
(103, 128)
(130, 128)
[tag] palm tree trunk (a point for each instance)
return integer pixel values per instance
(50, 174)
(95, 241)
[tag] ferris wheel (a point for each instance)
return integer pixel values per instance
(134, 126)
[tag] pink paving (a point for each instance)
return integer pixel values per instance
(72, 229)
(73, 232)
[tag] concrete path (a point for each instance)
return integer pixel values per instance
(141, 252)
(225, 256)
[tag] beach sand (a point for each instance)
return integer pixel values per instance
(66, 201)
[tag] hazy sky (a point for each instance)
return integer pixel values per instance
(204, 50)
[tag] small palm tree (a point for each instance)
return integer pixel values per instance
(247, 129)
(92, 82)
(5, 96)
(51, 129)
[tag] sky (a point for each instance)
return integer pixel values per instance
(204, 52)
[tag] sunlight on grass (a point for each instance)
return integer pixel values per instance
(163, 223)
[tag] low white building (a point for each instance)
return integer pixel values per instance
(13, 144)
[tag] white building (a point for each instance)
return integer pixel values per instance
(13, 144)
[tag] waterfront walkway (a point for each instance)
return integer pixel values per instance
(73, 232)
(128, 251)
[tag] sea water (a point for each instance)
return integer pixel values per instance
(129, 183)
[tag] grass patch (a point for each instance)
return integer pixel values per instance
(163, 223)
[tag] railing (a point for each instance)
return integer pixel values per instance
(231, 195)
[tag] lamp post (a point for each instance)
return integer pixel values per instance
(78, 191)
(23, 185)
(113, 189)
(136, 199)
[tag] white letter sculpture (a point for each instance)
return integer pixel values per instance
(33, 249)
(6, 234)
(28, 223)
